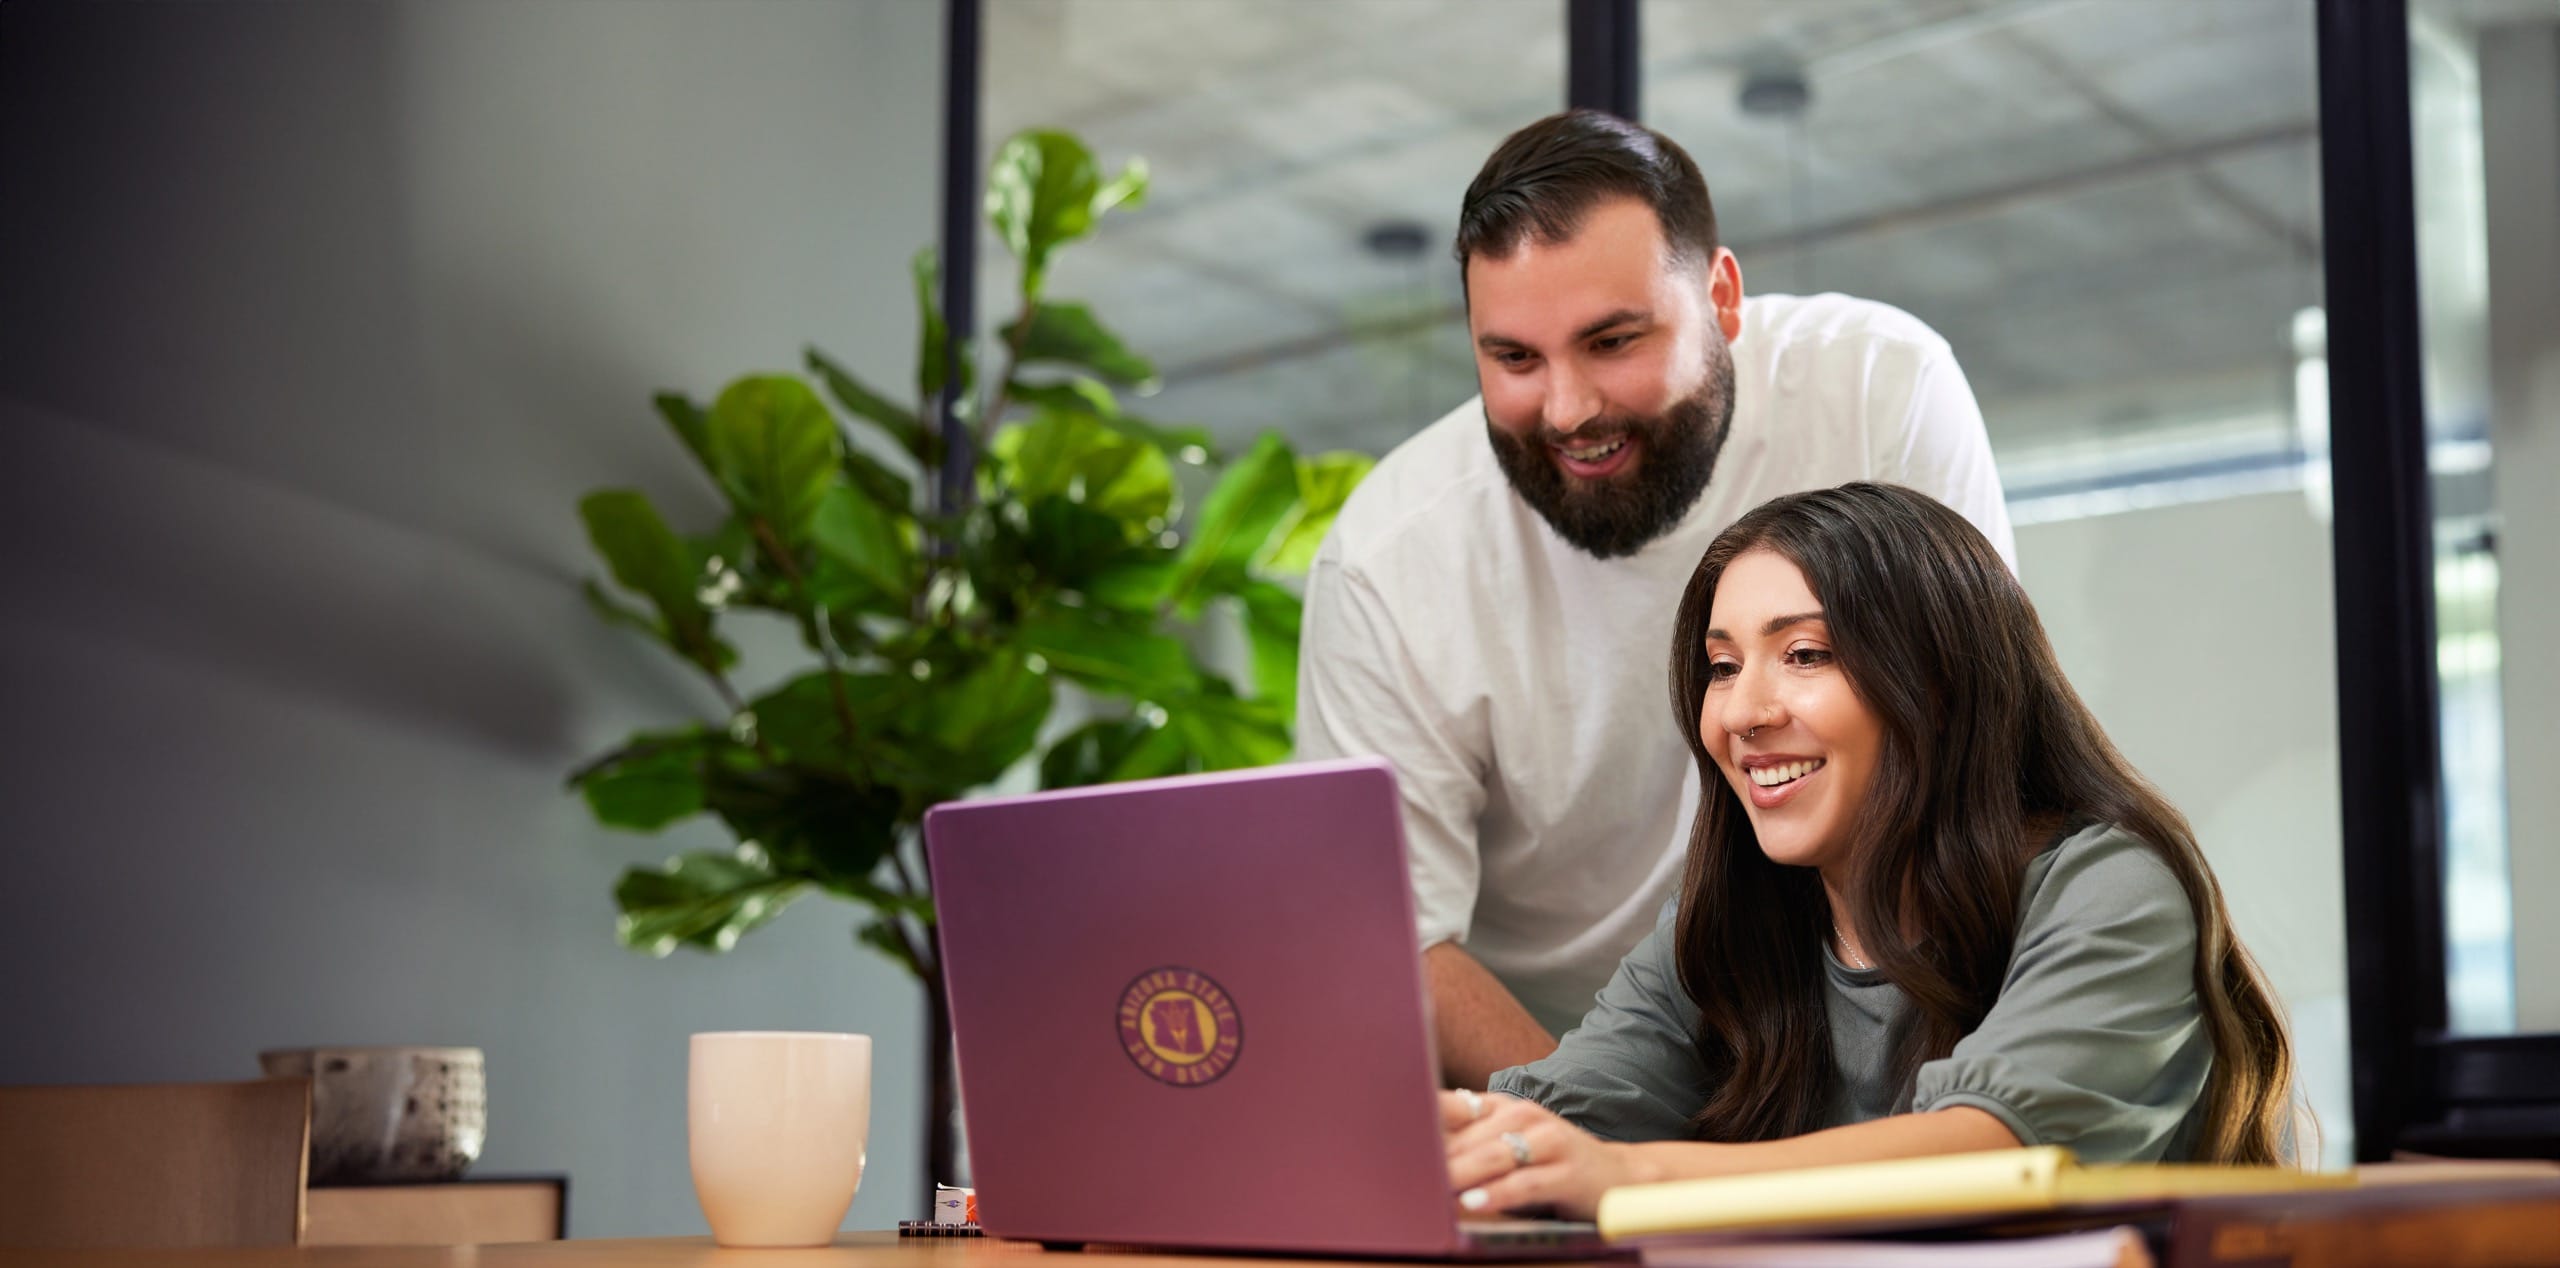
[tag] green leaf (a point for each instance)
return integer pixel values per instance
(1111, 750)
(690, 426)
(1098, 651)
(702, 899)
(861, 401)
(1068, 542)
(645, 555)
(1128, 189)
(1271, 616)
(889, 902)
(647, 784)
(1076, 457)
(1070, 334)
(814, 823)
(852, 532)
(1133, 585)
(933, 342)
(1081, 395)
(1040, 193)
(891, 491)
(776, 450)
(1044, 189)
(1249, 499)
(798, 721)
(1324, 485)
(1230, 733)
(989, 717)
(648, 559)
(616, 612)
(881, 936)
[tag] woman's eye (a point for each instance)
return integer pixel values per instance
(1807, 657)
(1719, 671)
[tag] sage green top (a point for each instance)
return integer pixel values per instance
(2096, 1042)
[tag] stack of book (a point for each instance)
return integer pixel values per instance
(2040, 1208)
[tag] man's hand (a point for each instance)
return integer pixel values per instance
(1477, 1026)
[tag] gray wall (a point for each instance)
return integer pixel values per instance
(318, 319)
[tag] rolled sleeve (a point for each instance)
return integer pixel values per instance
(1630, 1071)
(2097, 1040)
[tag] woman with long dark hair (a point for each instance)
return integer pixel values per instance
(1928, 907)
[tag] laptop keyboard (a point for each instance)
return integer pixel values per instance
(1530, 1232)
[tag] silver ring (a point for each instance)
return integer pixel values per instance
(1519, 1148)
(1475, 1103)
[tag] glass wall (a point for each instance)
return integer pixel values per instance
(2111, 211)
(1290, 268)
(2484, 88)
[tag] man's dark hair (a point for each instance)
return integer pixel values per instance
(1543, 179)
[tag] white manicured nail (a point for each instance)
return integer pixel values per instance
(1475, 1199)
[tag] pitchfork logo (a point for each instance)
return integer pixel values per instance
(1179, 1026)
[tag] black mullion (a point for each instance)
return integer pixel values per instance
(959, 248)
(1602, 54)
(2383, 560)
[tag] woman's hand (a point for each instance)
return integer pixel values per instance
(1565, 1167)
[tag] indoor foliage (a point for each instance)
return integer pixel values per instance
(937, 641)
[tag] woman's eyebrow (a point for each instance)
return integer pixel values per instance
(1775, 624)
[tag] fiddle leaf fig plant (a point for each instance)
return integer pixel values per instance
(937, 643)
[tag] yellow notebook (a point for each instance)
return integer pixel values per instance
(1945, 1188)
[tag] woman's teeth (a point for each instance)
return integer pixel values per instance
(1772, 776)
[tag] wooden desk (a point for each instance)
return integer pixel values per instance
(852, 1250)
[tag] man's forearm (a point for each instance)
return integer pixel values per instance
(1478, 1027)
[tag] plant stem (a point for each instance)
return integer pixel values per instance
(825, 638)
(1015, 336)
(928, 963)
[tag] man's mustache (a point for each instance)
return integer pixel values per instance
(1599, 431)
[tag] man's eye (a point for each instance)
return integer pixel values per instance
(1611, 343)
(1512, 360)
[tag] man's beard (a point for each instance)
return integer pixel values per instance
(1616, 515)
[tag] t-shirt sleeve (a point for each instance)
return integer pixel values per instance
(1360, 694)
(2097, 1040)
(1630, 1071)
(1942, 449)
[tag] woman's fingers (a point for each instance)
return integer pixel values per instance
(1462, 1106)
(1479, 1164)
(1525, 1187)
(1454, 1113)
(1501, 1114)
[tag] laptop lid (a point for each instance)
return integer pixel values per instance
(1190, 1012)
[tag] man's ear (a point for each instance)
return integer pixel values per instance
(1724, 292)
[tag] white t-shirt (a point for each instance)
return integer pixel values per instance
(1521, 687)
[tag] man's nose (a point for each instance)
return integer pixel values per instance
(1571, 400)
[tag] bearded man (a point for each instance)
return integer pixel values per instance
(1491, 611)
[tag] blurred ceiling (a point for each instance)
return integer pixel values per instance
(2109, 207)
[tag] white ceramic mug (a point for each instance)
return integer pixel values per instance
(775, 1124)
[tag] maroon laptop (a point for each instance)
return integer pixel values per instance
(1190, 1013)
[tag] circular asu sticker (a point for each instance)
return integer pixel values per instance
(1179, 1026)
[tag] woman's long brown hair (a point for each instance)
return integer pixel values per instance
(1982, 736)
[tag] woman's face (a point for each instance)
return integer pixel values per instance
(1794, 741)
